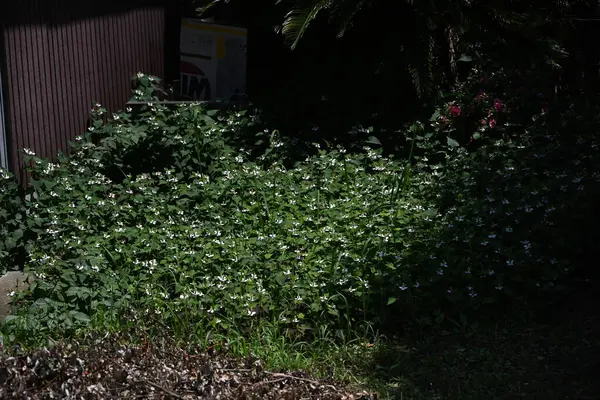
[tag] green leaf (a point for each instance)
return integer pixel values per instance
(333, 312)
(374, 140)
(391, 300)
(452, 142)
(10, 244)
(432, 212)
(9, 318)
(17, 234)
(280, 278)
(209, 121)
(79, 316)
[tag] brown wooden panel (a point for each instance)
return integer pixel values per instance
(57, 64)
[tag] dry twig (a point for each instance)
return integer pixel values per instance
(164, 389)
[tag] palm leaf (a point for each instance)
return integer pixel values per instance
(207, 6)
(298, 20)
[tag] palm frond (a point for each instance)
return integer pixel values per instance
(207, 6)
(298, 20)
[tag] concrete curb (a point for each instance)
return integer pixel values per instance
(9, 282)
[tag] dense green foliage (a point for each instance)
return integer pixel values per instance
(13, 231)
(171, 215)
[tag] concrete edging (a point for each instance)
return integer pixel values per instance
(9, 282)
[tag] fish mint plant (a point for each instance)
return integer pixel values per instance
(14, 235)
(192, 219)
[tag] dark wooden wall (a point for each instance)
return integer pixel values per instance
(60, 56)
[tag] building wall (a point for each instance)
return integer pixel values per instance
(3, 141)
(58, 61)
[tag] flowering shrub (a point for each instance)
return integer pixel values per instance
(487, 104)
(169, 218)
(519, 211)
(225, 244)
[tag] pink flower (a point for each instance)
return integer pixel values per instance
(492, 123)
(497, 105)
(455, 110)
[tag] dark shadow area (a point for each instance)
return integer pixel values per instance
(529, 343)
(551, 356)
(326, 86)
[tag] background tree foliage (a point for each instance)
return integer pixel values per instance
(374, 63)
(432, 37)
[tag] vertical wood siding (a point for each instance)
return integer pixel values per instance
(3, 139)
(56, 67)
